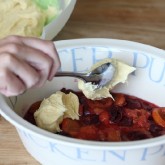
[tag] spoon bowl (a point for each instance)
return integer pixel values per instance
(100, 76)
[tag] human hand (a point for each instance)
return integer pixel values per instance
(26, 62)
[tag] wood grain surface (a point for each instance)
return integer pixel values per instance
(141, 21)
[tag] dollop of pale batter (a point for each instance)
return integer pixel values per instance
(55, 108)
(121, 74)
(23, 17)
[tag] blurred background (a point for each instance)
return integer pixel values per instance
(140, 21)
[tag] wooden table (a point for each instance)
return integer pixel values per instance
(141, 21)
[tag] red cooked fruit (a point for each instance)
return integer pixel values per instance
(103, 103)
(104, 117)
(119, 99)
(70, 126)
(158, 115)
(89, 132)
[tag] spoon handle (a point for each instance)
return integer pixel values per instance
(71, 74)
(83, 76)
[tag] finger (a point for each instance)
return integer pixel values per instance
(25, 72)
(10, 84)
(10, 39)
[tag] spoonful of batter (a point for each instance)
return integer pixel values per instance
(100, 76)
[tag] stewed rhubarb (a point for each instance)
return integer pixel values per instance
(124, 118)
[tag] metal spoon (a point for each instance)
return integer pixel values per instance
(99, 76)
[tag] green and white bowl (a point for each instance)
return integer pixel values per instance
(65, 8)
